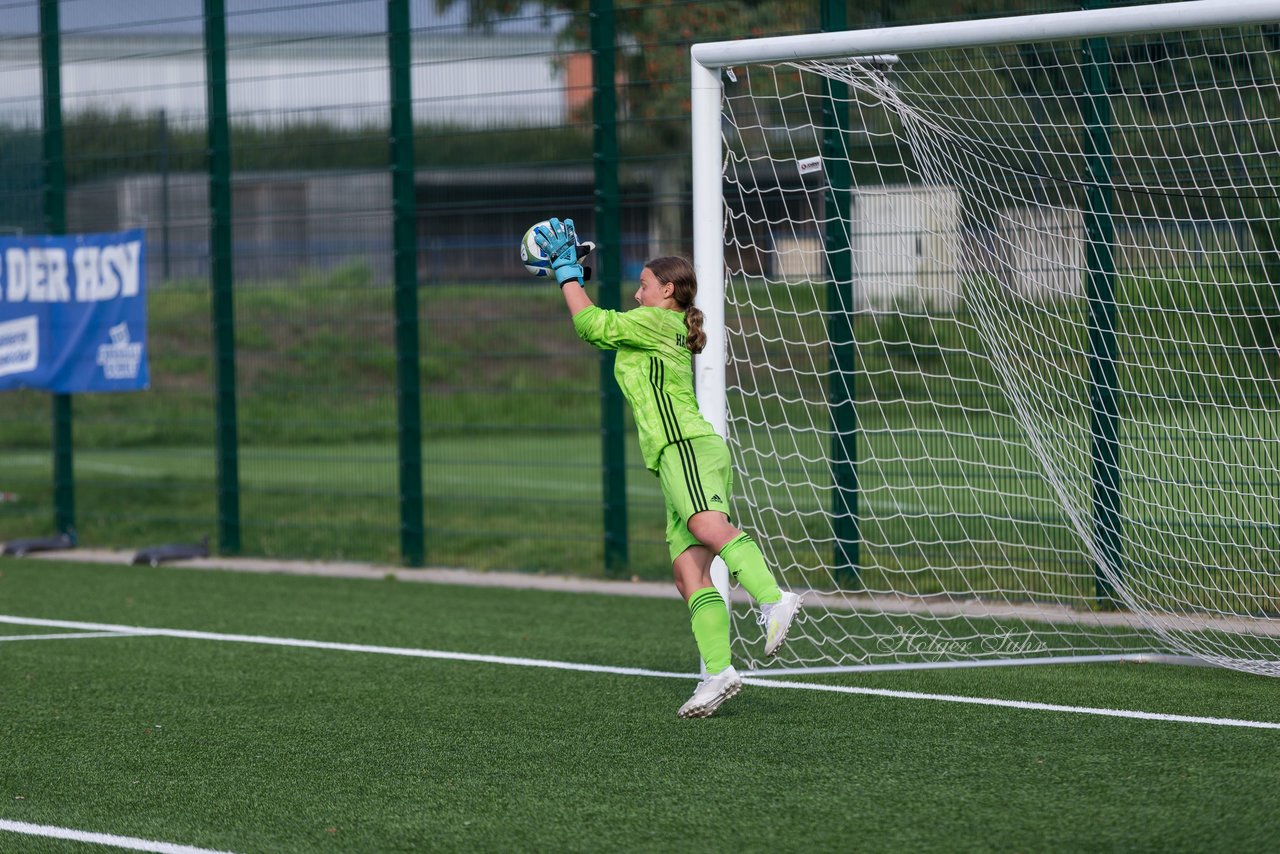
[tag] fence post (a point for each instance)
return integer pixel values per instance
(1104, 414)
(405, 237)
(608, 216)
(840, 383)
(55, 222)
(221, 276)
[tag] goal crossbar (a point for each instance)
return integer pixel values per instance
(1053, 26)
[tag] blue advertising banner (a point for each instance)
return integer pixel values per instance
(73, 313)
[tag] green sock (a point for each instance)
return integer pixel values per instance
(710, 623)
(746, 565)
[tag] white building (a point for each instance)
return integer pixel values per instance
(460, 78)
(906, 245)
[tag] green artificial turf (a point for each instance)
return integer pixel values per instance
(254, 748)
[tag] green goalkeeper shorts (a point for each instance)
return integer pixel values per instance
(696, 475)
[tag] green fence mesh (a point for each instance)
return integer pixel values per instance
(504, 136)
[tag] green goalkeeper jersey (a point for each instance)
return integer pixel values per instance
(654, 369)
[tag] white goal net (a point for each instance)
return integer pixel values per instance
(1002, 333)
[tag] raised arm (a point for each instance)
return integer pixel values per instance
(575, 297)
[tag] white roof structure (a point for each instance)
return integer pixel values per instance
(466, 79)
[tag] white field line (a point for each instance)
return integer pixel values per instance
(72, 636)
(626, 671)
(26, 459)
(346, 647)
(127, 842)
(116, 468)
(1013, 704)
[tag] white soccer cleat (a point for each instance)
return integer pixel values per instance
(776, 619)
(710, 693)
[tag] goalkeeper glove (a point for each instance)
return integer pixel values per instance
(560, 242)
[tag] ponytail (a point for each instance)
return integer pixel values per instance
(695, 339)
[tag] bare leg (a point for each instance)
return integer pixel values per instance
(712, 529)
(740, 553)
(692, 570)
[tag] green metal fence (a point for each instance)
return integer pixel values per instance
(348, 360)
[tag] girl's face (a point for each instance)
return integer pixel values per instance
(654, 293)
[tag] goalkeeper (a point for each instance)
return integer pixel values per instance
(655, 343)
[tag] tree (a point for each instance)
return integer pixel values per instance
(655, 41)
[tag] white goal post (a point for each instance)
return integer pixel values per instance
(993, 332)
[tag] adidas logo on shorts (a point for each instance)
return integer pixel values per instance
(717, 499)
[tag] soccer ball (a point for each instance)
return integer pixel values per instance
(531, 254)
